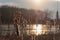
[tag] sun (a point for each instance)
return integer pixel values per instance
(37, 1)
(37, 4)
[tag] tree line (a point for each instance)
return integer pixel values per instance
(7, 14)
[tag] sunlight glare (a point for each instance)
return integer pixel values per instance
(38, 29)
(37, 1)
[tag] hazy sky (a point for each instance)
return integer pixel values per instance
(31, 4)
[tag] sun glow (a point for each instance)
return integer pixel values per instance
(37, 1)
(37, 4)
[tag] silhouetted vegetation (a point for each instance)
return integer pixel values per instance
(7, 14)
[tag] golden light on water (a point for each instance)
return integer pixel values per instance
(38, 29)
(34, 29)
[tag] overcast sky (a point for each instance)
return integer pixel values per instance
(48, 4)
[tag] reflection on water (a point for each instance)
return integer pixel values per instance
(34, 29)
(4, 29)
(39, 29)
